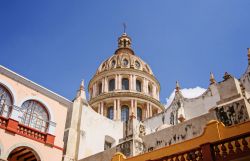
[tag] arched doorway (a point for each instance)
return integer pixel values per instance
(23, 154)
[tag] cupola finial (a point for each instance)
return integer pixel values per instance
(226, 76)
(82, 85)
(124, 27)
(81, 92)
(124, 41)
(177, 87)
(212, 80)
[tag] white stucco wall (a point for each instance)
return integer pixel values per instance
(178, 133)
(151, 124)
(190, 108)
(94, 128)
(198, 106)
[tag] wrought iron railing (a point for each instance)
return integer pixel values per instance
(11, 120)
(34, 122)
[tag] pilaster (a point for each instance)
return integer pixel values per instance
(118, 109)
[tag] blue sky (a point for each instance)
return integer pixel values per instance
(58, 43)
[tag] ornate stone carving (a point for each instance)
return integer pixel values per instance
(233, 113)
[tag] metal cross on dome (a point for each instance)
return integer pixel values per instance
(124, 27)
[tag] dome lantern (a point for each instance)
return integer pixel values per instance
(124, 41)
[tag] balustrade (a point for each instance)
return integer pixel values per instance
(227, 149)
(39, 130)
(31, 133)
(231, 148)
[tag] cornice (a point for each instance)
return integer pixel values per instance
(125, 94)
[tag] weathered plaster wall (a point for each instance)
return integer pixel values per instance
(229, 88)
(178, 133)
(151, 124)
(197, 106)
(94, 128)
(189, 108)
(102, 156)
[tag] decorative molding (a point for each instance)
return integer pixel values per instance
(114, 70)
(125, 94)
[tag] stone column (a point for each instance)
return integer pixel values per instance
(154, 91)
(134, 80)
(118, 109)
(102, 108)
(116, 82)
(119, 82)
(146, 86)
(130, 82)
(131, 107)
(115, 113)
(105, 84)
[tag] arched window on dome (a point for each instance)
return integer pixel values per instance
(34, 115)
(99, 88)
(124, 113)
(110, 112)
(5, 101)
(111, 84)
(138, 85)
(125, 84)
(139, 113)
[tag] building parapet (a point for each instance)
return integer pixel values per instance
(217, 143)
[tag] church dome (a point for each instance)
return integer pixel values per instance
(124, 58)
(124, 86)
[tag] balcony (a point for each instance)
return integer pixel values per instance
(12, 119)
